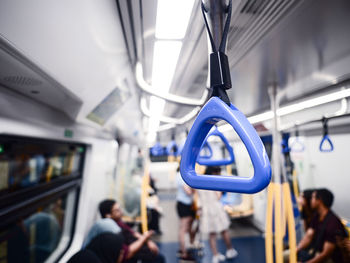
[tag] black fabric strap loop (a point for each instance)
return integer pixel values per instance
(325, 126)
(219, 70)
(226, 28)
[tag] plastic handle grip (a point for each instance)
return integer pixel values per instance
(157, 150)
(206, 145)
(324, 139)
(170, 147)
(211, 162)
(297, 146)
(213, 111)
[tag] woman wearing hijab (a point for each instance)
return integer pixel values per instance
(104, 248)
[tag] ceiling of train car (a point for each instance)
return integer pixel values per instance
(91, 48)
(301, 46)
(307, 51)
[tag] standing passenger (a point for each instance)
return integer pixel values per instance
(184, 207)
(215, 220)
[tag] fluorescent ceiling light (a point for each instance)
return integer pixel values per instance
(151, 138)
(268, 115)
(172, 18)
(324, 77)
(165, 56)
(313, 102)
(156, 106)
(261, 117)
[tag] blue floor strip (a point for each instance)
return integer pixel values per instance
(250, 250)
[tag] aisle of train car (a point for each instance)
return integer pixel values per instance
(245, 237)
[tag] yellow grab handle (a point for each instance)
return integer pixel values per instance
(268, 224)
(144, 196)
(278, 225)
(291, 224)
(296, 188)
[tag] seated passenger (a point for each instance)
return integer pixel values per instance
(319, 242)
(344, 245)
(154, 211)
(104, 248)
(139, 245)
(104, 225)
(306, 210)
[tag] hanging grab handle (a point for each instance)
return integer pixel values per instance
(210, 162)
(172, 149)
(326, 138)
(206, 145)
(213, 111)
(157, 149)
(297, 145)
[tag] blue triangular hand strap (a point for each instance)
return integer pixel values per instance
(211, 162)
(172, 149)
(297, 146)
(206, 145)
(157, 149)
(322, 144)
(212, 112)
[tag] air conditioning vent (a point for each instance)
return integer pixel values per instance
(21, 81)
(251, 20)
(253, 7)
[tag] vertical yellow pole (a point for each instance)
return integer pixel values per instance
(283, 214)
(144, 196)
(291, 224)
(229, 169)
(278, 225)
(121, 185)
(295, 187)
(268, 224)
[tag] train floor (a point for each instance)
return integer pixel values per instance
(246, 239)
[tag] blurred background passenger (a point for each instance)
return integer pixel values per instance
(139, 246)
(186, 213)
(215, 220)
(305, 204)
(320, 241)
(154, 211)
(103, 225)
(104, 248)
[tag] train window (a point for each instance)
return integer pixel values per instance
(44, 232)
(39, 188)
(25, 163)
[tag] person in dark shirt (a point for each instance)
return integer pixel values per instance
(306, 210)
(139, 245)
(320, 237)
(103, 248)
